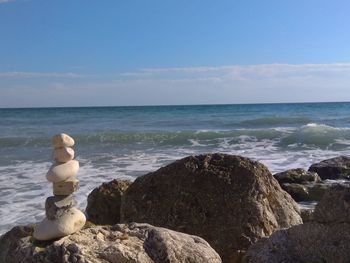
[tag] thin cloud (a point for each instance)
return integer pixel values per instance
(242, 72)
(20, 74)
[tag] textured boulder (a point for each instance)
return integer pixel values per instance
(104, 202)
(334, 206)
(230, 201)
(334, 168)
(325, 239)
(137, 243)
(297, 176)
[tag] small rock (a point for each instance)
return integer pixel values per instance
(63, 155)
(66, 188)
(297, 176)
(70, 222)
(60, 172)
(56, 205)
(62, 140)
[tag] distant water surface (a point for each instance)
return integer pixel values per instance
(126, 142)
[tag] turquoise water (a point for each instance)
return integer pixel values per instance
(125, 142)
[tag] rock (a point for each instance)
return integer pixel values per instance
(104, 202)
(297, 176)
(63, 155)
(334, 168)
(66, 188)
(324, 239)
(60, 172)
(71, 221)
(306, 192)
(307, 215)
(298, 192)
(17, 238)
(334, 206)
(62, 140)
(138, 243)
(316, 191)
(230, 201)
(56, 205)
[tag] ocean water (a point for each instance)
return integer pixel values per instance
(126, 142)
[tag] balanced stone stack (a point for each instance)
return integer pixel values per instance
(62, 218)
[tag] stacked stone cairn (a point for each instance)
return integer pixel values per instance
(62, 218)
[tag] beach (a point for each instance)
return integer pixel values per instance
(126, 142)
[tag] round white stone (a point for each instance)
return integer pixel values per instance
(62, 140)
(60, 172)
(63, 155)
(70, 222)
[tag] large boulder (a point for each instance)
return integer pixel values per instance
(324, 239)
(104, 202)
(135, 243)
(230, 201)
(297, 176)
(334, 168)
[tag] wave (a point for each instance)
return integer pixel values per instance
(318, 135)
(268, 121)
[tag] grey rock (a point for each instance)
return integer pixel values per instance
(324, 239)
(306, 192)
(297, 176)
(135, 243)
(230, 201)
(334, 206)
(56, 205)
(334, 168)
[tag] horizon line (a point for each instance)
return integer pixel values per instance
(173, 105)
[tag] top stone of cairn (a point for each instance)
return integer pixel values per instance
(62, 140)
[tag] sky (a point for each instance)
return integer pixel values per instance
(57, 53)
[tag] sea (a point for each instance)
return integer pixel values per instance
(127, 142)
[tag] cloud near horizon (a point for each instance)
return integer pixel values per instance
(187, 85)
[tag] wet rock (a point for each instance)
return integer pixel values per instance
(298, 192)
(325, 239)
(306, 192)
(104, 202)
(297, 176)
(334, 168)
(230, 201)
(138, 243)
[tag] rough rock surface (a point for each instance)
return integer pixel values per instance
(104, 202)
(134, 243)
(306, 192)
(230, 201)
(326, 239)
(334, 168)
(297, 176)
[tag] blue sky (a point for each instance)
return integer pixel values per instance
(82, 53)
